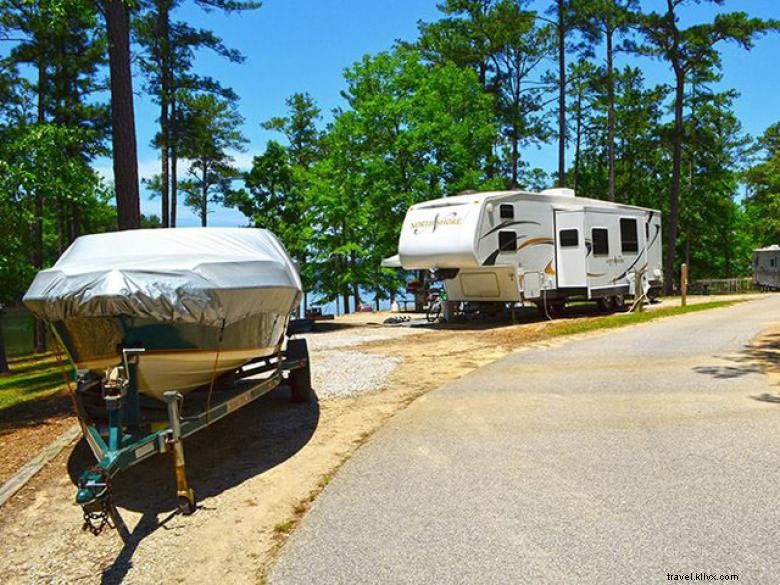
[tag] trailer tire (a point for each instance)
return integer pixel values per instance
(299, 378)
(620, 303)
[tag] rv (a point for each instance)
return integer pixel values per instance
(546, 248)
(766, 267)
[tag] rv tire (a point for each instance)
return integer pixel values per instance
(619, 303)
(605, 304)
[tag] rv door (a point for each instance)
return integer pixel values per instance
(570, 250)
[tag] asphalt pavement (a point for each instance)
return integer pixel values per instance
(621, 457)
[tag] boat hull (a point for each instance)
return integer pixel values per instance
(177, 356)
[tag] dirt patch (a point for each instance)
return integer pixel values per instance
(31, 431)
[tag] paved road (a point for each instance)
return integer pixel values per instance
(617, 458)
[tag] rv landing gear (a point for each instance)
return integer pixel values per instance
(553, 309)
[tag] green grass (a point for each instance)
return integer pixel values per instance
(31, 377)
(17, 327)
(285, 527)
(624, 319)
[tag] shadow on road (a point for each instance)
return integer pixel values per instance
(240, 446)
(759, 357)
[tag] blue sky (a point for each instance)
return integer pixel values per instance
(304, 45)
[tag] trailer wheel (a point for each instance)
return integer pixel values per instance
(299, 378)
(620, 303)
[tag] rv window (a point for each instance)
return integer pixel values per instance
(771, 262)
(629, 240)
(568, 238)
(507, 211)
(507, 241)
(600, 241)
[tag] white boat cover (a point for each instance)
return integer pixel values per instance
(209, 276)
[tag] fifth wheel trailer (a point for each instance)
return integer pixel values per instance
(766, 267)
(509, 246)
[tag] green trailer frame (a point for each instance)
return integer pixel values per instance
(125, 440)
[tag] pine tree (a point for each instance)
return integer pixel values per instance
(168, 51)
(686, 50)
(211, 129)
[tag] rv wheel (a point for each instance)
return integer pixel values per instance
(620, 303)
(604, 304)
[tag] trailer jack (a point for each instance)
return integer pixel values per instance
(185, 494)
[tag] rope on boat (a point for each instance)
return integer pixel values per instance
(214, 373)
(68, 384)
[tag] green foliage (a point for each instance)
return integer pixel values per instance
(506, 45)
(413, 131)
(275, 195)
(35, 160)
(763, 182)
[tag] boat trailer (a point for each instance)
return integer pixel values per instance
(122, 430)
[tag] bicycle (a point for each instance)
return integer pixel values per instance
(436, 300)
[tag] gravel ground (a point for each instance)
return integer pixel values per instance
(338, 372)
(356, 336)
(342, 374)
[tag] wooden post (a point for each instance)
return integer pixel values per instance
(683, 284)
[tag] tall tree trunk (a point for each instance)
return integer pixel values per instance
(4, 368)
(204, 199)
(62, 229)
(39, 328)
(355, 285)
(610, 118)
(561, 98)
(577, 141)
(345, 296)
(174, 159)
(515, 158)
(122, 116)
(163, 30)
(75, 221)
(674, 191)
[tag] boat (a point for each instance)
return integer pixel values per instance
(200, 302)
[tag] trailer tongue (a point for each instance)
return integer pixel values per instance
(130, 433)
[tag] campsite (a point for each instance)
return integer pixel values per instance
(460, 291)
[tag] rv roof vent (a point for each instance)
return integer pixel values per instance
(467, 192)
(561, 192)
